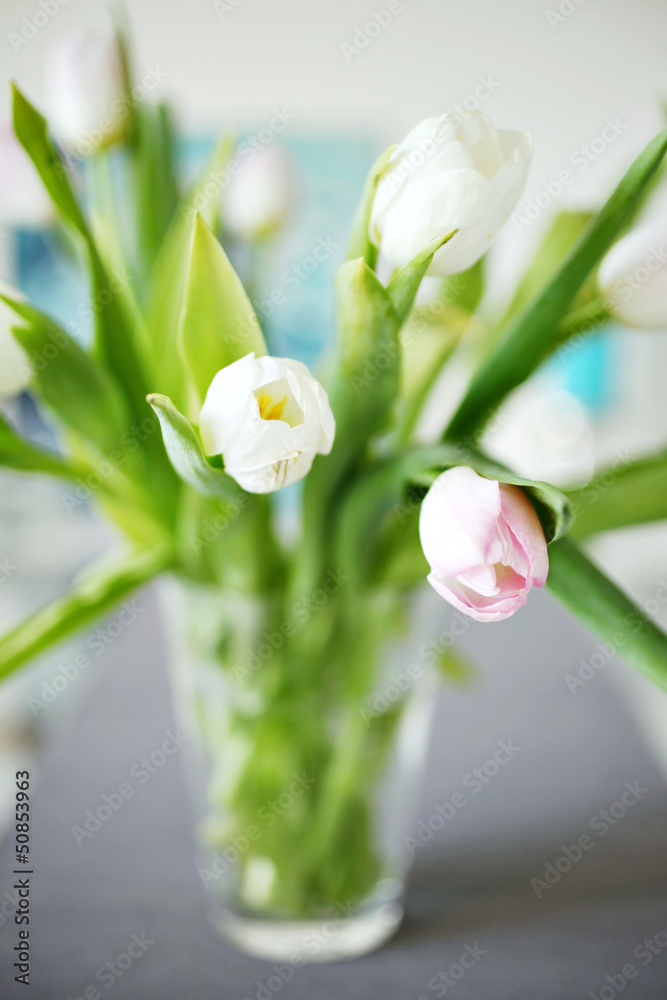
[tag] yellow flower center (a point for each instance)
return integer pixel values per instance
(270, 410)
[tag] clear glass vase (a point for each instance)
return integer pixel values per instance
(304, 774)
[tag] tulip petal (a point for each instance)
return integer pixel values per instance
(458, 520)
(265, 454)
(526, 528)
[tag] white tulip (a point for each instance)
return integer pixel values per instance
(268, 418)
(450, 172)
(15, 370)
(259, 195)
(86, 91)
(633, 276)
(23, 199)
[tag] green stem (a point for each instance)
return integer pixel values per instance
(606, 610)
(416, 402)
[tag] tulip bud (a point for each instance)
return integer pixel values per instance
(15, 370)
(86, 91)
(259, 196)
(268, 418)
(633, 276)
(450, 172)
(23, 200)
(484, 544)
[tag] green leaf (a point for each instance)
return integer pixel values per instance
(94, 594)
(81, 393)
(166, 287)
(360, 244)
(114, 335)
(563, 233)
(606, 610)
(528, 338)
(465, 289)
(31, 131)
(385, 490)
(552, 505)
(624, 494)
(405, 283)
(218, 323)
(362, 398)
(186, 453)
(16, 453)
(153, 158)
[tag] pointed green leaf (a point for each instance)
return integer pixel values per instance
(360, 244)
(166, 287)
(218, 323)
(115, 339)
(31, 131)
(528, 338)
(405, 283)
(80, 392)
(94, 594)
(186, 453)
(153, 160)
(607, 611)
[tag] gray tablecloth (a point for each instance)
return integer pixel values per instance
(471, 886)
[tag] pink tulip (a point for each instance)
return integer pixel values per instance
(484, 544)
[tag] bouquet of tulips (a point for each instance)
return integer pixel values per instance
(186, 429)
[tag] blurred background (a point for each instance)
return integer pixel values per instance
(345, 79)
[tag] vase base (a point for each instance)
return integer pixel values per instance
(302, 942)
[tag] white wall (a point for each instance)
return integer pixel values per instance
(560, 81)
